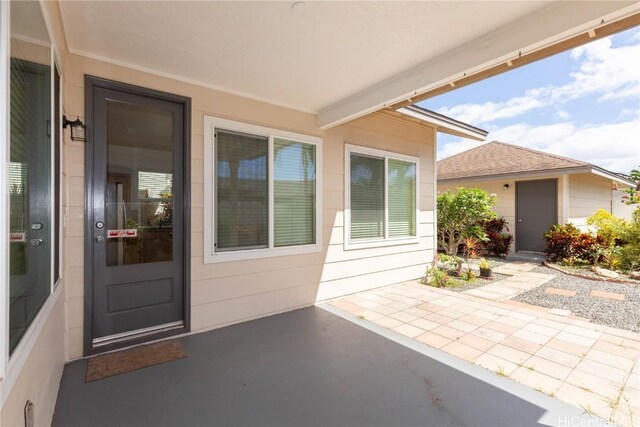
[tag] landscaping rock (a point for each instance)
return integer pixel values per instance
(622, 314)
(635, 275)
(605, 273)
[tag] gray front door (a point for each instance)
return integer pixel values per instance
(536, 212)
(136, 231)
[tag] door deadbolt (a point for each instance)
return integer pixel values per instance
(100, 239)
(100, 224)
(36, 242)
(36, 226)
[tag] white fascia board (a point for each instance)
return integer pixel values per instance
(552, 24)
(612, 177)
(515, 176)
(445, 127)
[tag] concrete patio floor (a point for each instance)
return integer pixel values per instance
(591, 366)
(306, 367)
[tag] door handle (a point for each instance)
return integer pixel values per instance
(519, 220)
(36, 242)
(100, 239)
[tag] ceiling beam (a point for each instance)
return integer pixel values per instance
(555, 28)
(583, 38)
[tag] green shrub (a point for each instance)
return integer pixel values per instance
(438, 278)
(460, 215)
(630, 249)
(607, 226)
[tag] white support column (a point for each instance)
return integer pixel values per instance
(435, 193)
(564, 201)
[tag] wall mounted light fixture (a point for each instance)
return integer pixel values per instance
(506, 186)
(78, 129)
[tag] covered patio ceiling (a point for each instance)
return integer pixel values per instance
(338, 60)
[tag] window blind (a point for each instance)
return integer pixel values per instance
(241, 191)
(367, 197)
(294, 190)
(402, 198)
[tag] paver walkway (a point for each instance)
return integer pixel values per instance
(591, 366)
(521, 280)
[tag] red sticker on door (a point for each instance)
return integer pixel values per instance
(129, 232)
(17, 237)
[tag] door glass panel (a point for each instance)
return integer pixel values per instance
(139, 188)
(30, 168)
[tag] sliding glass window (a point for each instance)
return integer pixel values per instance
(382, 197)
(32, 138)
(265, 192)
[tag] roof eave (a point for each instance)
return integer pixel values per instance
(444, 124)
(543, 173)
(596, 170)
(527, 174)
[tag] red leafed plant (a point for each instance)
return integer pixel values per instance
(498, 242)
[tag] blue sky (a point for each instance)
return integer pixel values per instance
(583, 104)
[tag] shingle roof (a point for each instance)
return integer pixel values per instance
(498, 158)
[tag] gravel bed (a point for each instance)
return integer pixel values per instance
(586, 271)
(618, 314)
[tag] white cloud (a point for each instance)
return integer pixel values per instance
(612, 146)
(489, 111)
(612, 73)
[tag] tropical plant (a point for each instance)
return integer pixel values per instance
(633, 194)
(498, 242)
(449, 262)
(609, 228)
(568, 244)
(484, 264)
(438, 278)
(460, 216)
(630, 251)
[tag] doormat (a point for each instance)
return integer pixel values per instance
(121, 362)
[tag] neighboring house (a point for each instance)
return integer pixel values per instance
(535, 190)
(241, 159)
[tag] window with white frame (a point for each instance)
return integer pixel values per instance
(31, 131)
(263, 192)
(381, 190)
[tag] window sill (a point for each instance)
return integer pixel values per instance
(368, 244)
(260, 253)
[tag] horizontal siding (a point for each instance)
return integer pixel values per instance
(231, 292)
(333, 289)
(587, 194)
(222, 313)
